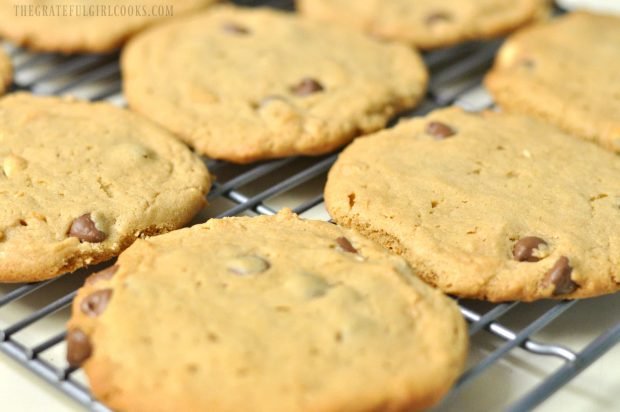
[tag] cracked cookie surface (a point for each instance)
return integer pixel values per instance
(427, 24)
(492, 206)
(79, 26)
(247, 84)
(79, 182)
(275, 312)
(564, 72)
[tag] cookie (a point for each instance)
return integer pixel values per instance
(6, 71)
(490, 206)
(250, 84)
(79, 182)
(427, 24)
(566, 73)
(93, 26)
(267, 313)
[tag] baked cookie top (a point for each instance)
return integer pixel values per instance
(78, 26)
(565, 72)
(6, 71)
(274, 312)
(427, 24)
(491, 206)
(80, 181)
(249, 84)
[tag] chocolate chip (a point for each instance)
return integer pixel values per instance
(344, 243)
(438, 17)
(527, 63)
(234, 28)
(94, 304)
(105, 274)
(440, 130)
(523, 250)
(248, 265)
(307, 87)
(78, 347)
(559, 276)
(84, 229)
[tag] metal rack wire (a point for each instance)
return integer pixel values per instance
(262, 189)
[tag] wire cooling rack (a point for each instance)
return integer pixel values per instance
(32, 316)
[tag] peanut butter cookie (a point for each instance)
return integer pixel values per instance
(79, 182)
(491, 206)
(80, 26)
(566, 73)
(272, 314)
(428, 24)
(251, 84)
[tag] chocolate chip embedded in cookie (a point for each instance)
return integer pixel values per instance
(307, 87)
(525, 249)
(84, 229)
(493, 211)
(233, 28)
(440, 131)
(94, 304)
(79, 182)
(559, 276)
(79, 348)
(427, 24)
(249, 84)
(565, 73)
(437, 18)
(346, 245)
(233, 290)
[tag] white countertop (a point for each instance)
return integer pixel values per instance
(22, 391)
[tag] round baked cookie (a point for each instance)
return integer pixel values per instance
(275, 314)
(79, 182)
(6, 71)
(77, 26)
(490, 206)
(427, 24)
(564, 72)
(250, 84)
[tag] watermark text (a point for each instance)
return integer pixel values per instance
(93, 10)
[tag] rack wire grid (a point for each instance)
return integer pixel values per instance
(32, 316)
